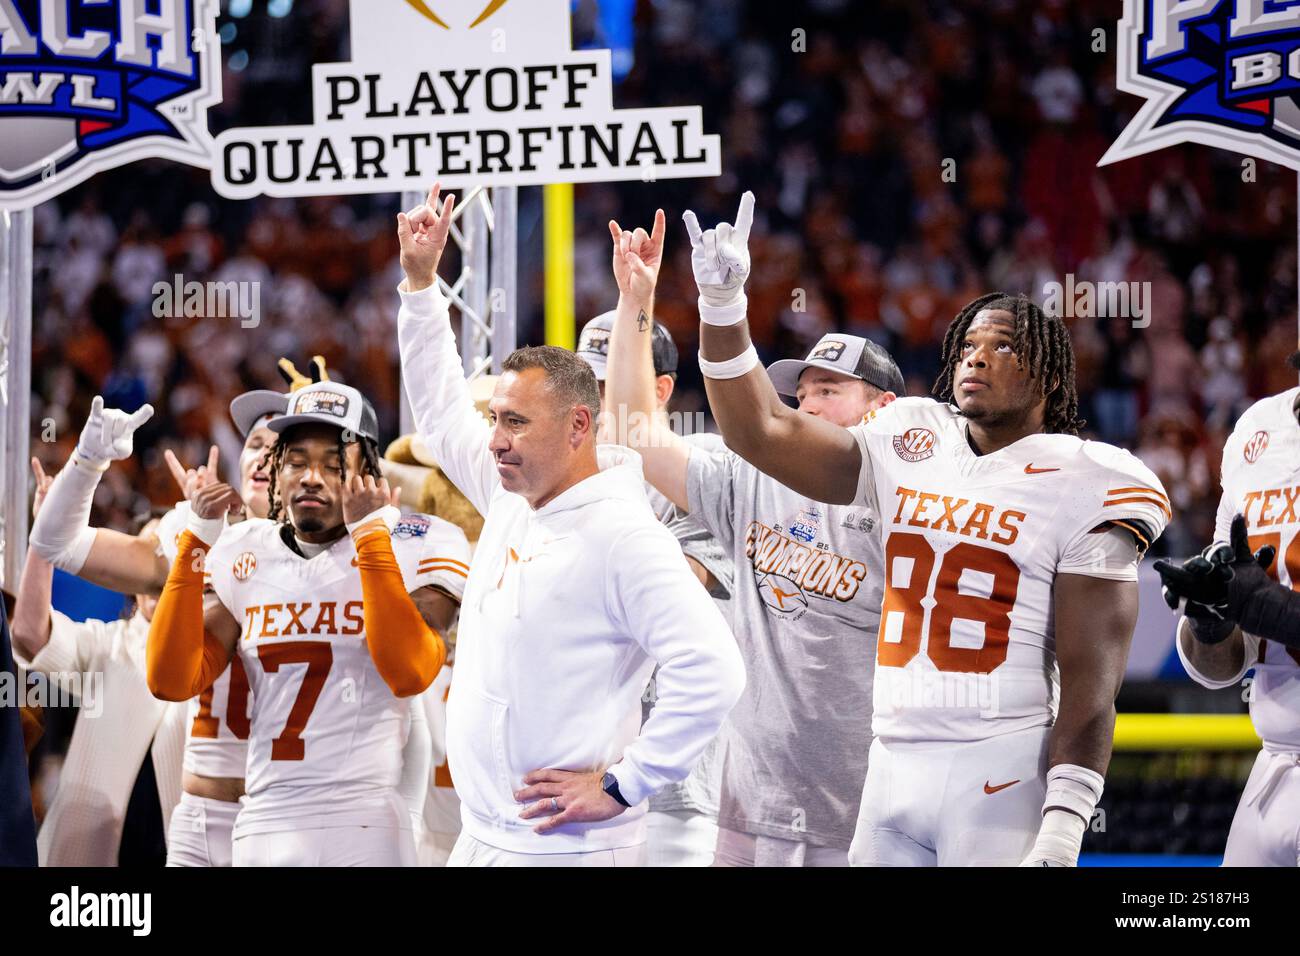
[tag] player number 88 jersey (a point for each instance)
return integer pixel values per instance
(973, 544)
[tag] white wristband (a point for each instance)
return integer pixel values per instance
(731, 368)
(207, 530)
(1073, 788)
(388, 514)
(730, 313)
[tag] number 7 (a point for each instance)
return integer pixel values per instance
(319, 657)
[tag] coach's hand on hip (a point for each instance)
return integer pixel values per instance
(562, 796)
(422, 233)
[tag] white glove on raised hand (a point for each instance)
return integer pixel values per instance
(108, 433)
(720, 257)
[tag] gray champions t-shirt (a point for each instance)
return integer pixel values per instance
(699, 791)
(805, 610)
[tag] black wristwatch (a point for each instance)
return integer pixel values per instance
(609, 783)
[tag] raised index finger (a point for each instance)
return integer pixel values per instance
(692, 228)
(745, 216)
(212, 462)
(176, 468)
(660, 228)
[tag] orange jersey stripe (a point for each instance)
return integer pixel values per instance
(1143, 500)
(459, 564)
(440, 567)
(1139, 490)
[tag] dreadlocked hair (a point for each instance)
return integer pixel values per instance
(369, 466)
(1042, 344)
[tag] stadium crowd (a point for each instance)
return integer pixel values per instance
(842, 117)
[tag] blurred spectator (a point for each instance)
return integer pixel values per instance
(906, 157)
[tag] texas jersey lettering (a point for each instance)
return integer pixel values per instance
(322, 717)
(966, 647)
(1261, 480)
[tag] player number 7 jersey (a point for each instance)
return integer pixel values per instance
(322, 715)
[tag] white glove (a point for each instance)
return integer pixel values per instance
(108, 433)
(720, 257)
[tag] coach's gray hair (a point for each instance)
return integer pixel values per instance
(569, 379)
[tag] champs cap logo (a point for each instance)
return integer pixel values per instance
(915, 444)
(321, 403)
(828, 352)
(1225, 73)
(1255, 447)
(87, 85)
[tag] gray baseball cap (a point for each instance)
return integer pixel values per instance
(330, 403)
(593, 346)
(847, 354)
(248, 409)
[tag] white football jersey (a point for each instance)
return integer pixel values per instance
(973, 544)
(216, 741)
(1261, 480)
(324, 724)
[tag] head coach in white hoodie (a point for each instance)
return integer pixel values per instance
(575, 593)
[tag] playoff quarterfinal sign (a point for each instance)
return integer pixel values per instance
(87, 85)
(1224, 73)
(469, 92)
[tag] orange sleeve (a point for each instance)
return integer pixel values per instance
(182, 659)
(407, 652)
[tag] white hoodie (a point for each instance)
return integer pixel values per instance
(566, 612)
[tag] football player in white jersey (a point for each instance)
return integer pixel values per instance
(334, 605)
(1011, 552)
(1240, 612)
(215, 749)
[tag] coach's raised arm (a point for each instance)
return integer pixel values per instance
(802, 452)
(575, 593)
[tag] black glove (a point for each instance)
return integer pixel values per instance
(1217, 586)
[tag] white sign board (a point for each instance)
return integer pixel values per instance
(469, 93)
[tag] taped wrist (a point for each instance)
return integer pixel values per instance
(61, 533)
(1072, 795)
(724, 313)
(207, 530)
(1074, 789)
(385, 517)
(742, 364)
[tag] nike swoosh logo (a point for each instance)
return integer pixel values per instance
(1001, 786)
(1031, 470)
